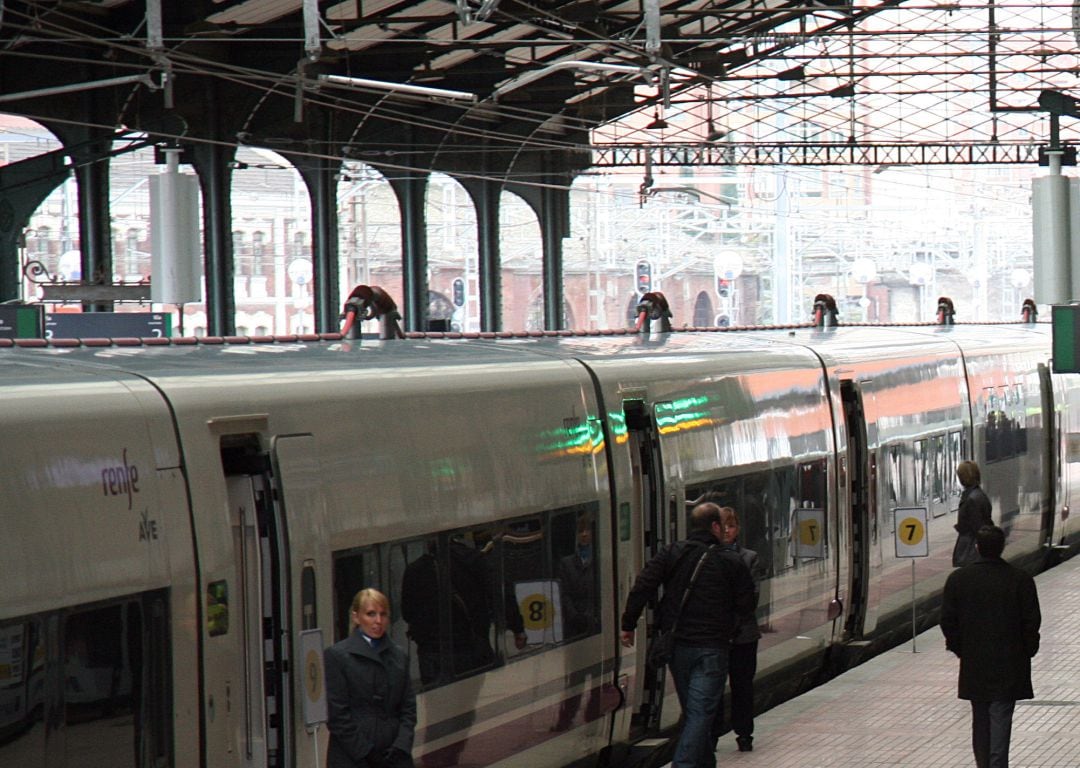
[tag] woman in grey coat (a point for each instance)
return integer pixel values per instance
(973, 514)
(371, 706)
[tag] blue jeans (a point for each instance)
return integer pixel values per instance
(699, 675)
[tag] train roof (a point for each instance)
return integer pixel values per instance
(240, 355)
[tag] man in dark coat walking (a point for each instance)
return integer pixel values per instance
(990, 618)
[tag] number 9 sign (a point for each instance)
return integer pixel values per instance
(911, 534)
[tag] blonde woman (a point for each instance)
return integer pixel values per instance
(370, 700)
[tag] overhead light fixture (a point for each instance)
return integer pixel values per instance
(658, 122)
(144, 79)
(409, 88)
(592, 66)
(844, 91)
(712, 133)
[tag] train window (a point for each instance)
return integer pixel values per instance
(940, 476)
(1020, 421)
(476, 596)
(812, 484)
(1005, 416)
(116, 682)
(919, 471)
(955, 449)
(22, 692)
(424, 605)
(763, 502)
(217, 608)
(573, 537)
(526, 581)
(308, 615)
(457, 595)
(354, 570)
(897, 491)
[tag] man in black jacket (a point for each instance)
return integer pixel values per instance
(990, 618)
(721, 596)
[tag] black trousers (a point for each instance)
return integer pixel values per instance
(742, 666)
(991, 730)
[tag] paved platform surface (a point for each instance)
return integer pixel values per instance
(900, 708)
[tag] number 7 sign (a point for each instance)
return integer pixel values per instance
(911, 534)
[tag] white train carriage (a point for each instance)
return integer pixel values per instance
(185, 524)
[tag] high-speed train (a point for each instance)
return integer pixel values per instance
(184, 522)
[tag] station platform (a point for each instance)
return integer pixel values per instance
(900, 708)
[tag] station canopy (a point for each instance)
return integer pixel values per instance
(402, 82)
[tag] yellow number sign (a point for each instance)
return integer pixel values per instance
(538, 611)
(313, 679)
(912, 536)
(809, 532)
(911, 531)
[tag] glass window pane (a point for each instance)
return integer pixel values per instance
(22, 693)
(416, 572)
(102, 667)
(353, 570)
(573, 536)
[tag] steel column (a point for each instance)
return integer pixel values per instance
(213, 163)
(411, 192)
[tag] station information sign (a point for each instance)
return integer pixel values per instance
(22, 321)
(108, 325)
(1065, 338)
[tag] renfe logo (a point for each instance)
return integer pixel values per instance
(120, 481)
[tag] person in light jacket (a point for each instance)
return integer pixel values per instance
(371, 707)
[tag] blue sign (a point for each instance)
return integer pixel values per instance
(108, 325)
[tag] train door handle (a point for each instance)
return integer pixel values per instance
(836, 607)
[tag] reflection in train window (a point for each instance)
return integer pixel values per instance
(955, 452)
(1006, 433)
(308, 613)
(354, 570)
(468, 599)
(104, 670)
(22, 693)
(573, 537)
(919, 472)
(897, 490)
(423, 597)
(813, 477)
(764, 502)
(940, 474)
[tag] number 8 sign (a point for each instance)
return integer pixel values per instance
(911, 535)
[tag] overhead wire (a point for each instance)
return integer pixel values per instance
(183, 62)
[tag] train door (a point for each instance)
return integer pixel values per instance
(261, 708)
(1055, 481)
(300, 495)
(864, 557)
(659, 522)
